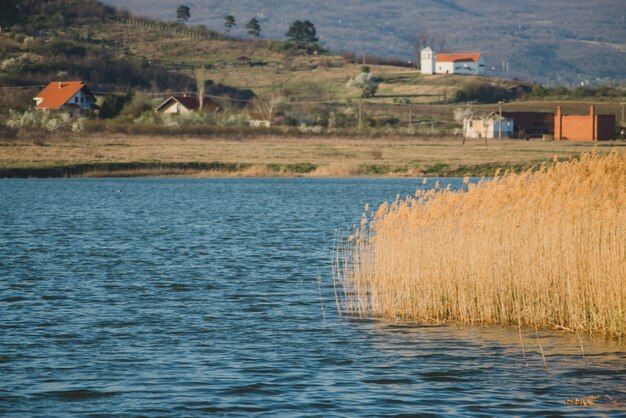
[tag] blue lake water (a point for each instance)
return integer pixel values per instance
(196, 297)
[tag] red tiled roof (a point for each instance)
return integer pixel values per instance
(474, 56)
(57, 93)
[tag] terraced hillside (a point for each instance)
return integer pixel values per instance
(546, 41)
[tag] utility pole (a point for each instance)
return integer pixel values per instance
(623, 103)
(500, 120)
(360, 114)
(484, 120)
(411, 117)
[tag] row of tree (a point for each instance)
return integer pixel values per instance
(301, 33)
(183, 13)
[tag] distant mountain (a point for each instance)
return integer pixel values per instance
(553, 42)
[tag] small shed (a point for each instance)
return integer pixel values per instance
(264, 119)
(186, 104)
(488, 126)
(243, 60)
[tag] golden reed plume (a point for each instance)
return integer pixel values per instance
(544, 248)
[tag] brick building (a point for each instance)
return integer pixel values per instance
(591, 127)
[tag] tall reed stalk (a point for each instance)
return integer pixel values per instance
(544, 248)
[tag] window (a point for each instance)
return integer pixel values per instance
(75, 99)
(82, 100)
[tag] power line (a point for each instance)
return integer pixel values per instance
(231, 99)
(22, 87)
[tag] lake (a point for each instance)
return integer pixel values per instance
(196, 297)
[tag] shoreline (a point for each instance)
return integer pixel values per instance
(107, 155)
(218, 169)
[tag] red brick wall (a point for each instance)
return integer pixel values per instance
(577, 128)
(589, 127)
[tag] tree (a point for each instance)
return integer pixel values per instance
(254, 28)
(183, 13)
(229, 22)
(303, 34)
(441, 42)
(463, 116)
(200, 74)
(366, 82)
(112, 104)
(9, 13)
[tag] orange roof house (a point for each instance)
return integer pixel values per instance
(471, 57)
(73, 96)
(467, 63)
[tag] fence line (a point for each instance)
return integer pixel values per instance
(163, 27)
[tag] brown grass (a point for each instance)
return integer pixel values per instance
(540, 249)
(333, 157)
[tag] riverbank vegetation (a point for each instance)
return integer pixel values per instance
(542, 249)
(231, 151)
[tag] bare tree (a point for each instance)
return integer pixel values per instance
(426, 39)
(200, 85)
(463, 115)
(419, 41)
(441, 42)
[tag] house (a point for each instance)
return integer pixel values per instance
(71, 96)
(186, 104)
(459, 63)
(488, 126)
(243, 60)
(591, 127)
(264, 119)
(531, 124)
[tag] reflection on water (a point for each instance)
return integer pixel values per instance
(179, 297)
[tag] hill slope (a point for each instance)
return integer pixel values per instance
(551, 42)
(113, 51)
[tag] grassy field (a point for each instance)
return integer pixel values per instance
(115, 155)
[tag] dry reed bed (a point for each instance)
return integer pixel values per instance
(543, 249)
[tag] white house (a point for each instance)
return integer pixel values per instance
(488, 126)
(264, 119)
(71, 96)
(186, 104)
(461, 63)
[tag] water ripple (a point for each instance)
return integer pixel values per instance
(183, 297)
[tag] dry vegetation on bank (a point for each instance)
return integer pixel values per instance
(542, 249)
(115, 155)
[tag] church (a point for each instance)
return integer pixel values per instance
(460, 63)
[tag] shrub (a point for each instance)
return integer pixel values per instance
(47, 121)
(366, 82)
(484, 93)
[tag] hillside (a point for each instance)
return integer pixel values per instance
(552, 42)
(113, 50)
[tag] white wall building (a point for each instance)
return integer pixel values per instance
(428, 61)
(71, 96)
(488, 126)
(462, 63)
